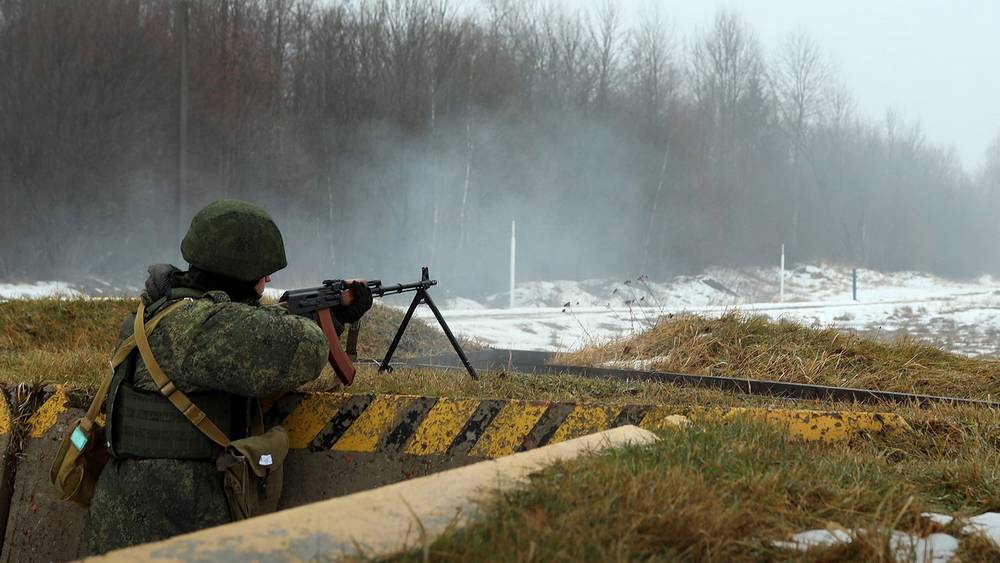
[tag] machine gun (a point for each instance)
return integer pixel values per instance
(316, 303)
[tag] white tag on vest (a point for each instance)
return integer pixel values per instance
(265, 460)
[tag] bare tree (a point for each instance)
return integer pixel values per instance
(605, 35)
(438, 121)
(989, 175)
(799, 79)
(727, 69)
(652, 76)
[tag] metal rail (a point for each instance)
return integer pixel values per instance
(526, 361)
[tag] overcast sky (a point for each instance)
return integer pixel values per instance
(934, 61)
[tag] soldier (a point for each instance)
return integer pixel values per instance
(224, 350)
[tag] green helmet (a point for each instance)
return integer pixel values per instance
(235, 239)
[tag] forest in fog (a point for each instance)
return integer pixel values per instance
(387, 134)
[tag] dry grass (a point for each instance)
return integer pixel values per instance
(724, 492)
(754, 347)
(69, 341)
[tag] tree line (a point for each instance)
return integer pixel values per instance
(384, 134)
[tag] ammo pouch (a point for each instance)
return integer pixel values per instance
(143, 425)
(83, 453)
(253, 470)
(252, 466)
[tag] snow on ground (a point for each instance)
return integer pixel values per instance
(962, 316)
(936, 548)
(36, 290)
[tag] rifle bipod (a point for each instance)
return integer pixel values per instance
(422, 296)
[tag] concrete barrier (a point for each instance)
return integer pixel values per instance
(373, 523)
(8, 459)
(40, 527)
(490, 428)
(346, 443)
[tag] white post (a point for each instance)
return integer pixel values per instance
(513, 253)
(782, 283)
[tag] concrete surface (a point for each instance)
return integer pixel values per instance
(376, 522)
(8, 459)
(40, 527)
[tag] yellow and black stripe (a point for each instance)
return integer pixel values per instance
(491, 428)
(486, 428)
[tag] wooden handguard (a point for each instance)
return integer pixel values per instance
(342, 365)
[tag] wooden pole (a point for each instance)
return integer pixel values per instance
(182, 111)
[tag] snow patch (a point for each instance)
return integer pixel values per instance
(37, 290)
(986, 524)
(637, 364)
(963, 317)
(462, 304)
(935, 548)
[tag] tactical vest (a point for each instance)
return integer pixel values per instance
(144, 424)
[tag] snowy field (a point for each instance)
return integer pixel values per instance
(962, 316)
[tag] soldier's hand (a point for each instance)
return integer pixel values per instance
(361, 301)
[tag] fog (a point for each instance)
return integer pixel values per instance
(385, 136)
(929, 60)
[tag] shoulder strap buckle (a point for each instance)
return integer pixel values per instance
(167, 387)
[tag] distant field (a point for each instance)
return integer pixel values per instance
(957, 315)
(69, 341)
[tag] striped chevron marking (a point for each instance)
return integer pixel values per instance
(489, 428)
(492, 428)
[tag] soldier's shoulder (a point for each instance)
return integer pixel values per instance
(216, 311)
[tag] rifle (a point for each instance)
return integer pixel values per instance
(316, 302)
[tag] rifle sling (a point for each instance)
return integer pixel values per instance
(169, 390)
(352, 340)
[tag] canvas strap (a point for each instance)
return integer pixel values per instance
(169, 390)
(119, 356)
(352, 340)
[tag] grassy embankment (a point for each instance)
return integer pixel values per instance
(712, 492)
(69, 342)
(724, 492)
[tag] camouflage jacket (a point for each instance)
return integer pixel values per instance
(210, 344)
(248, 350)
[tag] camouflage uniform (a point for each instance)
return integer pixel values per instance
(210, 344)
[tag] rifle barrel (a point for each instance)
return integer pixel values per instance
(382, 290)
